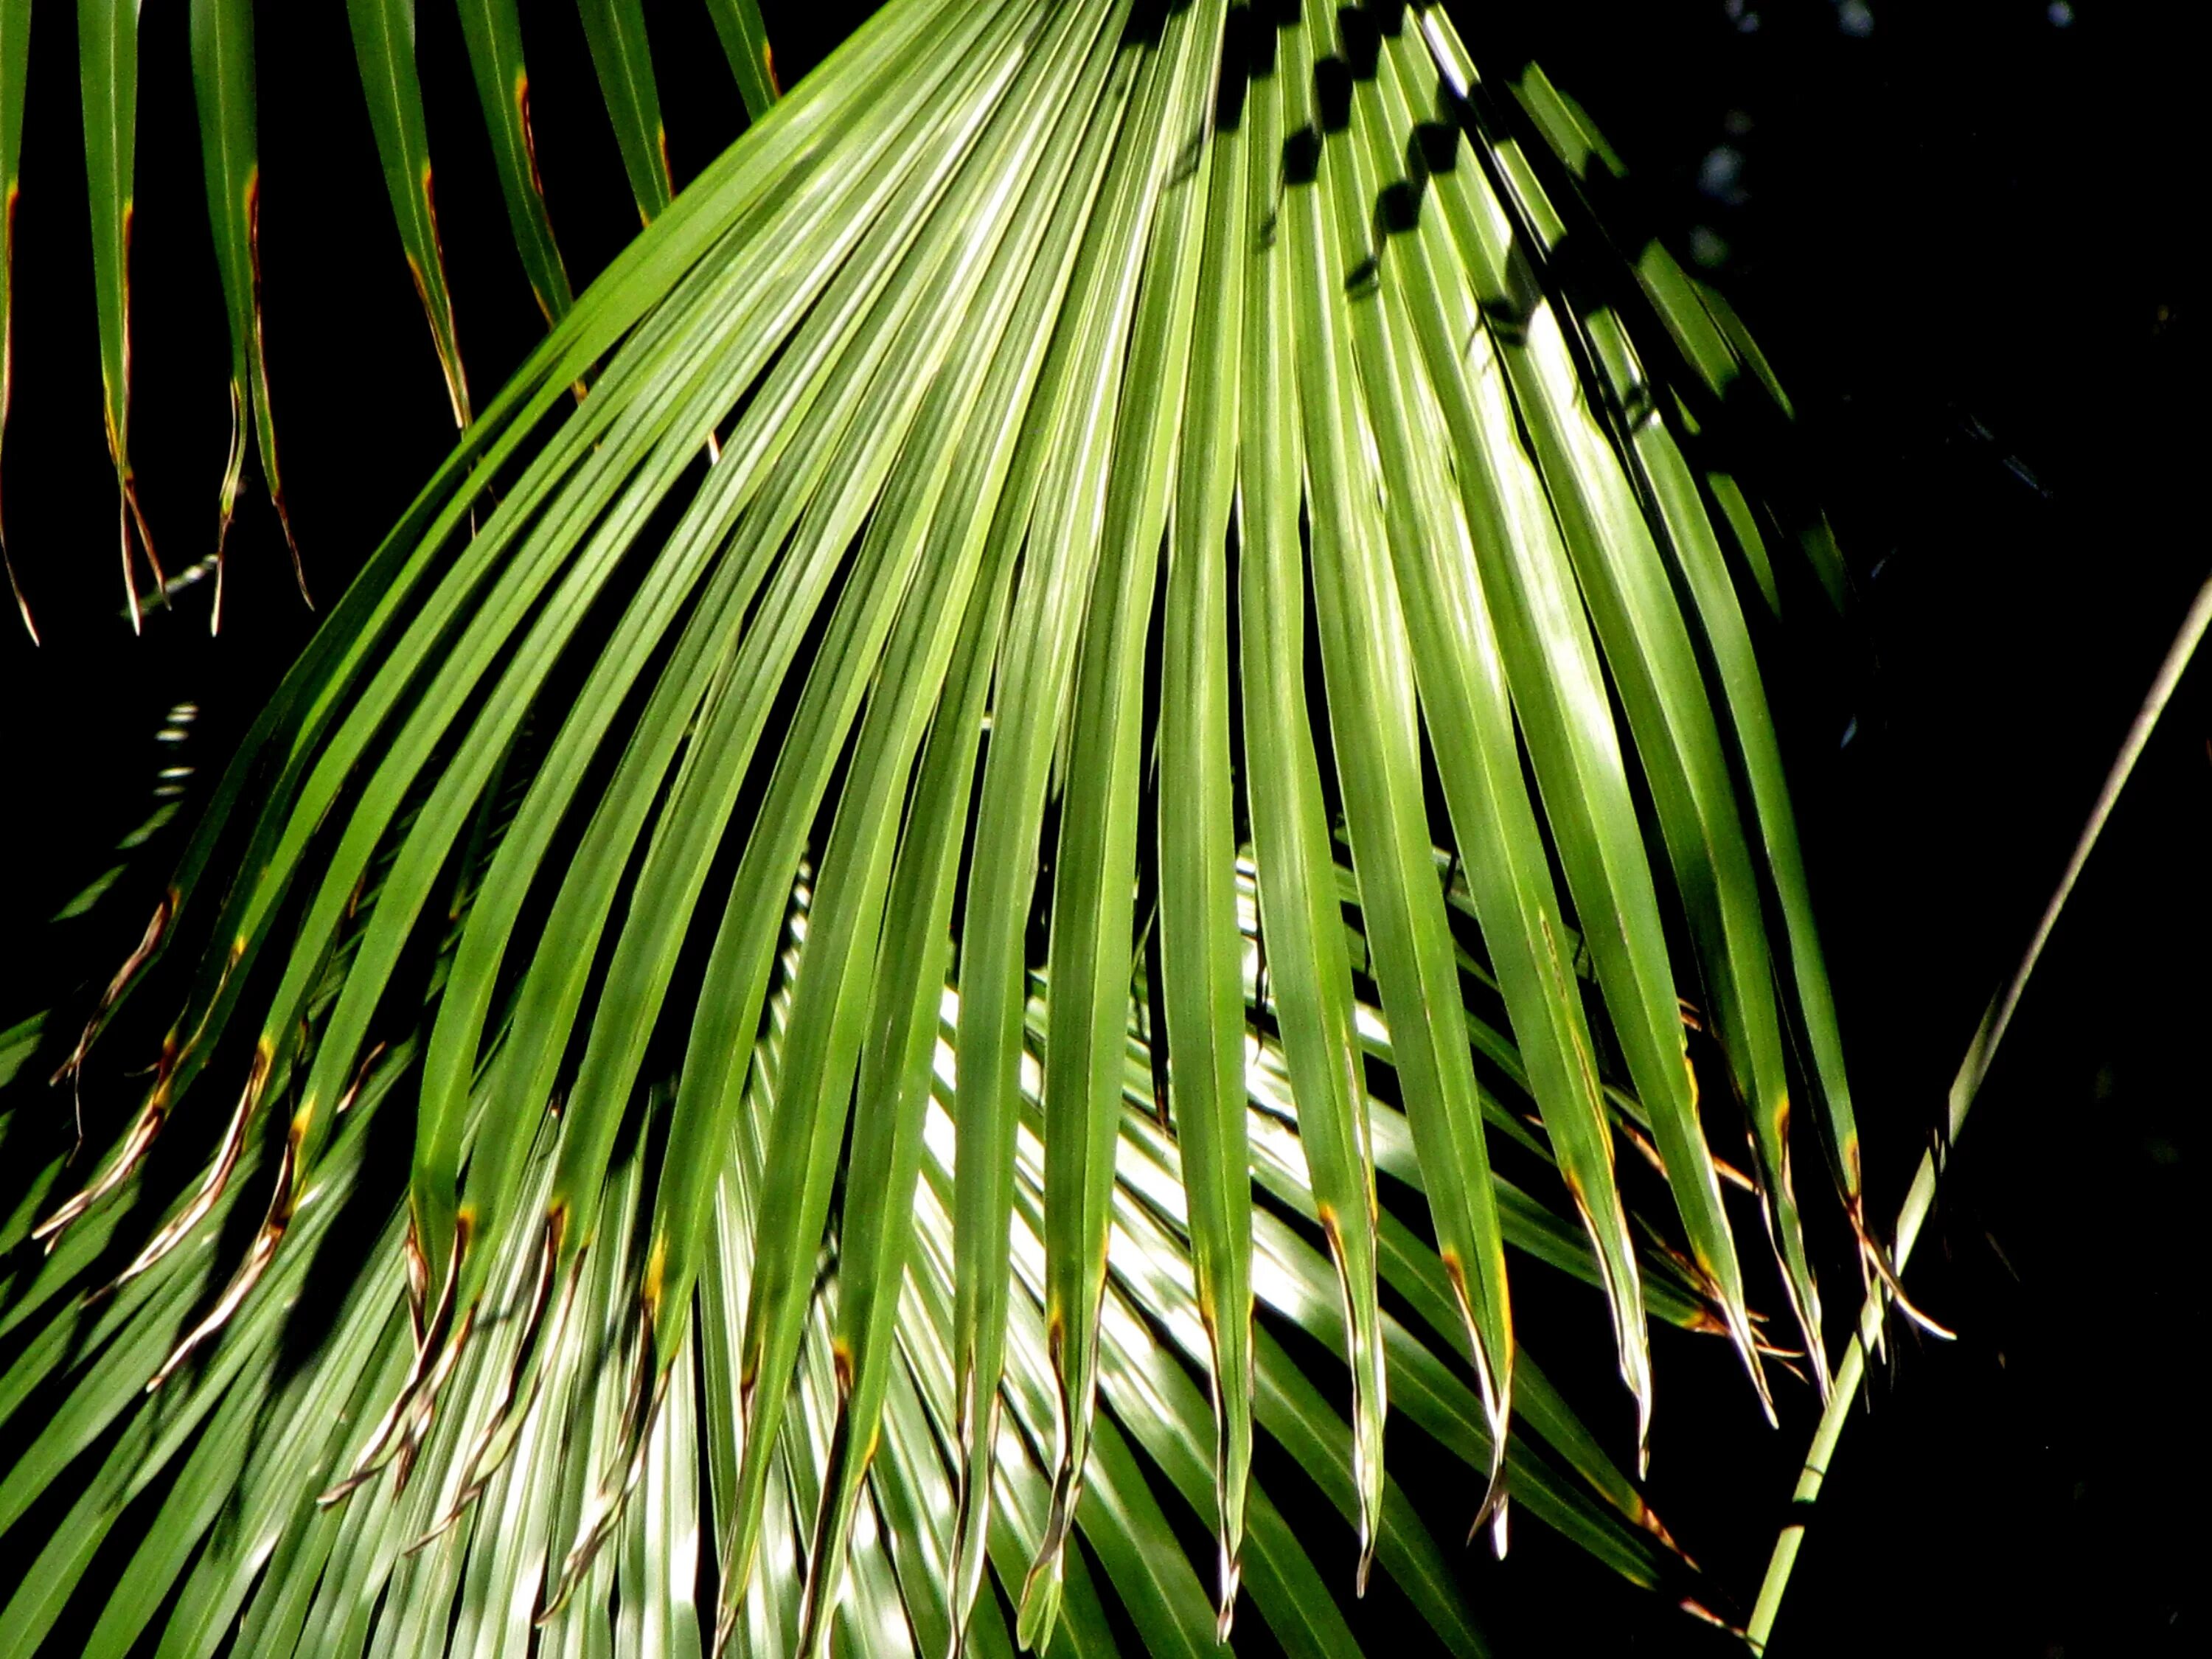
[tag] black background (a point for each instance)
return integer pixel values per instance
(1957, 228)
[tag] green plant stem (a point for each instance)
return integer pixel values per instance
(1980, 1054)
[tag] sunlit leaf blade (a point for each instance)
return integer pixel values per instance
(933, 637)
(1152, 1393)
(1604, 534)
(870, 397)
(107, 60)
(1487, 395)
(1061, 471)
(1296, 1284)
(1095, 862)
(14, 68)
(372, 1549)
(1300, 924)
(927, 539)
(1751, 1037)
(1365, 657)
(736, 972)
(1201, 955)
(615, 32)
(550, 992)
(383, 47)
(223, 84)
(744, 39)
(493, 32)
(1648, 649)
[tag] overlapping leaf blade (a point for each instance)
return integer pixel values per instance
(1300, 923)
(1094, 883)
(1200, 954)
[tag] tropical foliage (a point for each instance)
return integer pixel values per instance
(224, 88)
(1104, 684)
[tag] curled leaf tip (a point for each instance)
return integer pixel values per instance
(1749, 1349)
(1648, 1518)
(424, 1413)
(137, 517)
(1496, 1498)
(291, 545)
(971, 1511)
(648, 1388)
(825, 1561)
(360, 1076)
(1874, 1257)
(503, 1428)
(132, 1154)
(23, 605)
(398, 1434)
(259, 1256)
(1041, 1591)
(1705, 1614)
(130, 577)
(157, 928)
(212, 1185)
(1040, 1609)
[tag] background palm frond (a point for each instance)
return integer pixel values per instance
(224, 80)
(846, 570)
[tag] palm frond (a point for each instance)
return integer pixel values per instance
(986, 809)
(225, 87)
(240, 1526)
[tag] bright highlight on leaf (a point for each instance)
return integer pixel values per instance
(1082, 754)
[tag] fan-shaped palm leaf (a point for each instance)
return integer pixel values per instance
(736, 813)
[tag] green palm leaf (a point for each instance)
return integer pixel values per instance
(615, 29)
(493, 32)
(107, 55)
(384, 44)
(906, 863)
(15, 77)
(223, 82)
(745, 42)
